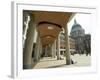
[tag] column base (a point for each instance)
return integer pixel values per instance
(68, 62)
(58, 58)
(28, 66)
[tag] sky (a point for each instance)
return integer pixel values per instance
(84, 20)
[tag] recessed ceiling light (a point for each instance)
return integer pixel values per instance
(50, 27)
(48, 37)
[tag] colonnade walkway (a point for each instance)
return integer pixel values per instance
(49, 62)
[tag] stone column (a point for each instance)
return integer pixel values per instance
(27, 51)
(67, 47)
(37, 49)
(63, 53)
(54, 49)
(40, 48)
(50, 50)
(58, 48)
(26, 19)
(46, 51)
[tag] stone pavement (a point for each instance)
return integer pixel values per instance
(49, 62)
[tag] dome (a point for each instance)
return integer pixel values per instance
(76, 27)
(77, 30)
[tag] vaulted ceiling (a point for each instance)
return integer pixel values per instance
(49, 24)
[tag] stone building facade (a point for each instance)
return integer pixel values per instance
(82, 40)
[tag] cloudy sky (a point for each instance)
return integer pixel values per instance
(84, 20)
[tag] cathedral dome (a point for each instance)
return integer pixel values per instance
(77, 30)
(76, 27)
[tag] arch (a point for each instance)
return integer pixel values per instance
(46, 22)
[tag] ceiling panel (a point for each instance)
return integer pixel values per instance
(49, 35)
